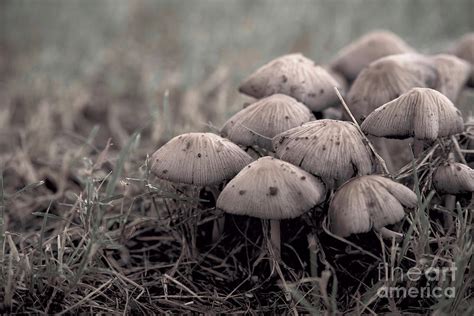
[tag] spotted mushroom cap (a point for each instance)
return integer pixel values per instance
(421, 113)
(465, 50)
(374, 45)
(386, 79)
(453, 178)
(258, 123)
(269, 188)
(296, 76)
(199, 159)
(453, 73)
(332, 150)
(368, 202)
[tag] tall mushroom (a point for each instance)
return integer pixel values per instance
(200, 159)
(369, 202)
(272, 189)
(350, 60)
(258, 123)
(453, 73)
(422, 113)
(296, 76)
(333, 150)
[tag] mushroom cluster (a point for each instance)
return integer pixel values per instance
(304, 162)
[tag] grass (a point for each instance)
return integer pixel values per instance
(86, 98)
(117, 240)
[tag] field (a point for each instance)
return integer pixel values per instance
(90, 89)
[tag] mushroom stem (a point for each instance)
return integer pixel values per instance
(385, 153)
(313, 255)
(218, 228)
(389, 234)
(275, 237)
(450, 203)
(418, 146)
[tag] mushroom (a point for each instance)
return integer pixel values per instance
(388, 78)
(450, 179)
(296, 76)
(258, 123)
(374, 45)
(272, 189)
(383, 81)
(369, 202)
(200, 159)
(464, 49)
(422, 113)
(333, 150)
(453, 178)
(453, 73)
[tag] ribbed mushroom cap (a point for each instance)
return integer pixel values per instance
(296, 76)
(453, 74)
(271, 189)
(199, 159)
(453, 178)
(422, 113)
(368, 202)
(374, 45)
(465, 50)
(386, 79)
(332, 150)
(258, 123)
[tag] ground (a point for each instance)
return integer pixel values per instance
(89, 91)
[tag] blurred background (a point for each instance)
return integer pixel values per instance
(75, 72)
(113, 53)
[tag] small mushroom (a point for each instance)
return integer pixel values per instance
(450, 179)
(258, 123)
(464, 49)
(272, 189)
(332, 150)
(453, 73)
(201, 159)
(374, 45)
(369, 202)
(386, 79)
(296, 76)
(453, 178)
(422, 113)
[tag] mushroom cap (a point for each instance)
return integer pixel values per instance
(453, 73)
(332, 150)
(453, 178)
(269, 188)
(421, 113)
(343, 84)
(368, 202)
(258, 123)
(296, 76)
(388, 78)
(199, 159)
(374, 45)
(465, 50)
